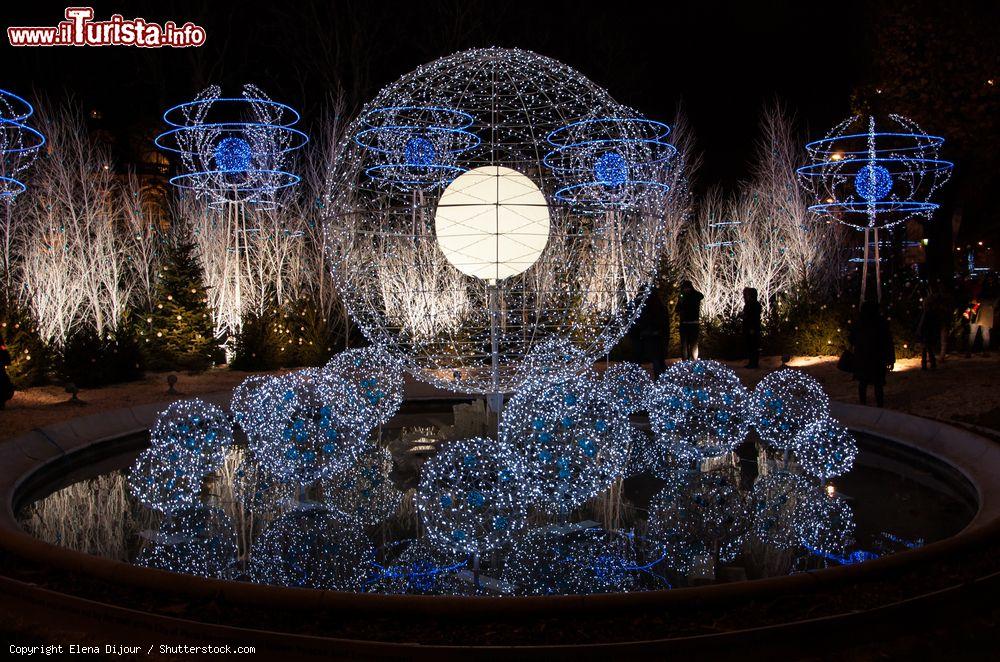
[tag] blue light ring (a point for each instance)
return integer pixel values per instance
(467, 119)
(5, 194)
(229, 128)
(180, 181)
(610, 143)
(663, 130)
(474, 140)
(210, 102)
(563, 193)
(375, 172)
(18, 126)
(836, 168)
(931, 142)
(29, 110)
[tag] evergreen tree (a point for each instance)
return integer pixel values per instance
(180, 333)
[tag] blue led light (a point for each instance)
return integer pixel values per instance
(611, 169)
(419, 151)
(19, 143)
(232, 155)
(873, 182)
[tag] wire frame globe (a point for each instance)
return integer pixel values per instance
(873, 172)
(784, 403)
(499, 196)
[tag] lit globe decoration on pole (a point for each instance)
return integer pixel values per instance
(308, 424)
(188, 440)
(557, 561)
(783, 403)
(824, 525)
(470, 496)
(873, 176)
(825, 449)
(466, 224)
(572, 436)
(233, 149)
(161, 482)
(363, 494)
(311, 548)
(19, 144)
(376, 378)
(774, 507)
(697, 410)
(200, 540)
(697, 517)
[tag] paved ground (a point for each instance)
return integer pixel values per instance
(966, 390)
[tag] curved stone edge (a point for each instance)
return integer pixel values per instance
(977, 458)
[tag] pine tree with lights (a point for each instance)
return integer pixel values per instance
(179, 331)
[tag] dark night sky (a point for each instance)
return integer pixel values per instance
(722, 60)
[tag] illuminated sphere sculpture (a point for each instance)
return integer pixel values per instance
(495, 196)
(19, 144)
(200, 540)
(470, 497)
(775, 507)
(376, 379)
(415, 567)
(573, 436)
(233, 149)
(628, 384)
(160, 480)
(784, 403)
(551, 561)
(197, 432)
(311, 548)
(825, 449)
(697, 516)
(309, 425)
(869, 173)
(261, 492)
(702, 406)
(824, 524)
(363, 494)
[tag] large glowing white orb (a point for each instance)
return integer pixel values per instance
(492, 223)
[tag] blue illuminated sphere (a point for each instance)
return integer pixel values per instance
(232, 155)
(873, 182)
(611, 169)
(420, 152)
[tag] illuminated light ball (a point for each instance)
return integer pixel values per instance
(419, 151)
(873, 182)
(553, 359)
(200, 433)
(199, 540)
(376, 379)
(824, 524)
(415, 567)
(611, 169)
(638, 445)
(363, 493)
(261, 492)
(775, 505)
(246, 411)
(628, 383)
(411, 246)
(470, 498)
(232, 154)
(492, 223)
(159, 479)
(311, 426)
(825, 449)
(573, 438)
(696, 518)
(556, 561)
(670, 447)
(311, 548)
(784, 403)
(708, 413)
